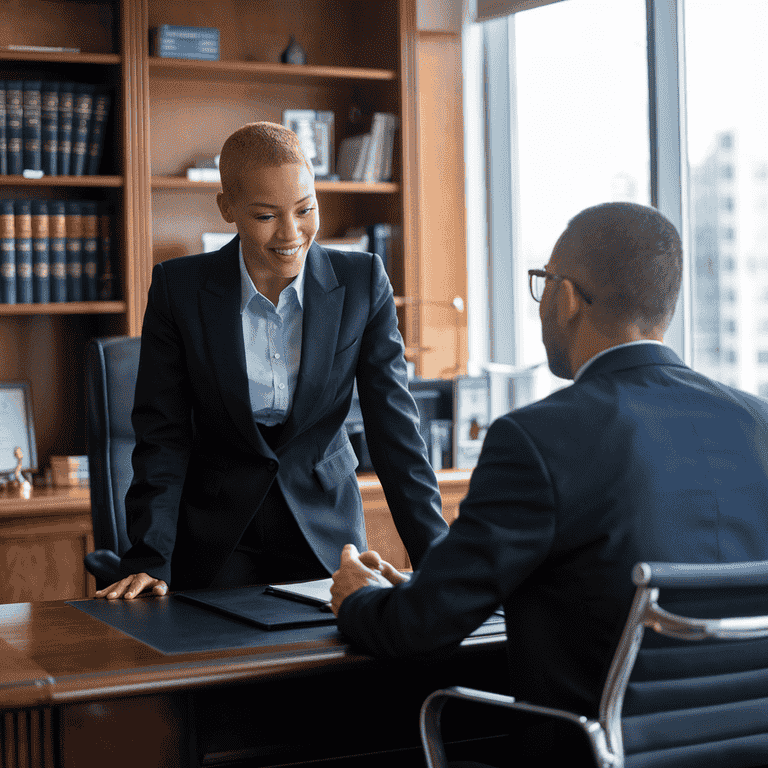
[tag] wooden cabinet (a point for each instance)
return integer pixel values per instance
(167, 112)
(380, 529)
(43, 541)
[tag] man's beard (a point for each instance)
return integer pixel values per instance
(557, 355)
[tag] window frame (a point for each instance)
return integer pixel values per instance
(497, 283)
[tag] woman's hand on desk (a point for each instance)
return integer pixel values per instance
(133, 585)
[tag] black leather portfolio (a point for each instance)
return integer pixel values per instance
(252, 604)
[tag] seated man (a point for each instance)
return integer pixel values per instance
(641, 458)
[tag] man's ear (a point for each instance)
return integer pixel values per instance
(223, 203)
(570, 305)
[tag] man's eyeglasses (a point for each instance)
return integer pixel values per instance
(538, 279)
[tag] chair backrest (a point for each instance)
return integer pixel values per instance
(111, 367)
(672, 702)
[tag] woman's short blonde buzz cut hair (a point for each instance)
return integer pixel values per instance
(258, 145)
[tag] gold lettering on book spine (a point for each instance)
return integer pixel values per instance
(6, 225)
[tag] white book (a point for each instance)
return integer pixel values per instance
(372, 169)
(316, 592)
(389, 147)
(362, 160)
(349, 154)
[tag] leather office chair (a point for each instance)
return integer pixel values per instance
(111, 366)
(674, 704)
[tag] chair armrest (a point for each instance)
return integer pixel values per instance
(431, 710)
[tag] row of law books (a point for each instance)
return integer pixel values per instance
(368, 156)
(51, 128)
(55, 251)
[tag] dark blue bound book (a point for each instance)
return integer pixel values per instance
(3, 142)
(7, 253)
(101, 102)
(30, 127)
(64, 133)
(57, 233)
(106, 274)
(23, 227)
(81, 127)
(74, 250)
(14, 114)
(90, 250)
(41, 259)
(49, 126)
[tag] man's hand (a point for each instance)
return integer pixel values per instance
(131, 586)
(361, 570)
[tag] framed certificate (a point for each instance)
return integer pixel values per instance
(17, 429)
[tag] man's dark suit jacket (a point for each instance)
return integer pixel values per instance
(640, 459)
(201, 467)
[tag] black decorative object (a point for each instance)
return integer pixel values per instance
(294, 53)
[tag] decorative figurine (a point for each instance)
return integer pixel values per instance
(19, 485)
(294, 53)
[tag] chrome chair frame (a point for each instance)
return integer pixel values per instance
(605, 733)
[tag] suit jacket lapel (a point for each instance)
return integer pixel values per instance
(323, 304)
(222, 323)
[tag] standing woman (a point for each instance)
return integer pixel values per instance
(243, 472)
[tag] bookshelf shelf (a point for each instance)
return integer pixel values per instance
(65, 308)
(62, 181)
(263, 70)
(386, 187)
(60, 57)
(181, 183)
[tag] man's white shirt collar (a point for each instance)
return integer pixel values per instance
(591, 360)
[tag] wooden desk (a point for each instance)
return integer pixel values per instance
(75, 692)
(43, 541)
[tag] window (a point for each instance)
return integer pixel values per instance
(581, 79)
(727, 119)
(573, 77)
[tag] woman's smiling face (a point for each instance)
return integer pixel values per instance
(277, 219)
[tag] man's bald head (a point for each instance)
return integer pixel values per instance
(629, 258)
(256, 145)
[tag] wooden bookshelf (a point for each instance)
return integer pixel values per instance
(62, 181)
(167, 112)
(360, 187)
(65, 308)
(60, 57)
(223, 71)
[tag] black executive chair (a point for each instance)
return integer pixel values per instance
(670, 704)
(111, 366)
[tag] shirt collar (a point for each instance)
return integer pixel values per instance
(589, 362)
(248, 289)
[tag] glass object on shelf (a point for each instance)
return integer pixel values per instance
(727, 125)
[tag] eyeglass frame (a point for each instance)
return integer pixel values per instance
(552, 276)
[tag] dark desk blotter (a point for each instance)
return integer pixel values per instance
(173, 625)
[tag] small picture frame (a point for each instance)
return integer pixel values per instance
(17, 426)
(315, 132)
